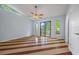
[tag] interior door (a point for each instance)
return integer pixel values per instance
(74, 31)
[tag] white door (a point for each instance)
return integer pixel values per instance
(74, 31)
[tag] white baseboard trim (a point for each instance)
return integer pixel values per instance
(15, 38)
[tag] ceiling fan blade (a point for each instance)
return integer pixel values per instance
(32, 13)
(41, 14)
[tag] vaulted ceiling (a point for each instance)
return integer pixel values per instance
(49, 10)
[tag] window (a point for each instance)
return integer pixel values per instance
(58, 26)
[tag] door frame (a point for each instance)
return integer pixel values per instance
(45, 27)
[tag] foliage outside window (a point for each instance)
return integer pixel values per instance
(58, 26)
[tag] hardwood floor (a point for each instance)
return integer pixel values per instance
(30, 46)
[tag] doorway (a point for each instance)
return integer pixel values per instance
(45, 28)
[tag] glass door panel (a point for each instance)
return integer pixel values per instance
(45, 28)
(42, 28)
(48, 28)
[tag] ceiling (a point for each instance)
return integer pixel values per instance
(49, 10)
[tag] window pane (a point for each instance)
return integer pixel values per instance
(58, 26)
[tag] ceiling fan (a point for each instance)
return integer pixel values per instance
(36, 14)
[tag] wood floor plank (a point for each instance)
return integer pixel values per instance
(18, 43)
(28, 46)
(31, 48)
(25, 46)
(36, 50)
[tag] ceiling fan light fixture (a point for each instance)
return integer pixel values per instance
(36, 15)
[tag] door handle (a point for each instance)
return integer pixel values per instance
(77, 33)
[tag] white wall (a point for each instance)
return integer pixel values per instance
(14, 26)
(67, 20)
(53, 24)
(36, 28)
(67, 26)
(73, 17)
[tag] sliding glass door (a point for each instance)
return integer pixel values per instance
(45, 28)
